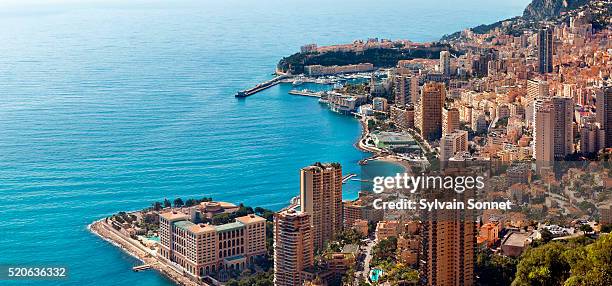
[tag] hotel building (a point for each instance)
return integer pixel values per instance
(321, 198)
(360, 209)
(403, 117)
(204, 249)
(408, 249)
(448, 250)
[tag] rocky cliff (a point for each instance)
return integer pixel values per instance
(545, 9)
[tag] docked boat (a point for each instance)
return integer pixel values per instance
(297, 82)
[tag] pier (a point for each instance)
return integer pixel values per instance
(306, 92)
(262, 86)
(347, 177)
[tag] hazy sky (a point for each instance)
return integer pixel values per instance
(22, 3)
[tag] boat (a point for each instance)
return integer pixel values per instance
(297, 82)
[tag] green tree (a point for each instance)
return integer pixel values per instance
(384, 251)
(178, 202)
(546, 235)
(544, 265)
(586, 228)
(495, 269)
(348, 236)
(167, 203)
(157, 206)
(592, 264)
(190, 203)
(219, 219)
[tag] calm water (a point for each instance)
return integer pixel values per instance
(108, 107)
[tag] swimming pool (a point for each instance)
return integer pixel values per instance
(375, 274)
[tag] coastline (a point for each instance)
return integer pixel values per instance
(375, 153)
(103, 230)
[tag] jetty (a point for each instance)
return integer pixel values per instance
(262, 86)
(306, 92)
(347, 177)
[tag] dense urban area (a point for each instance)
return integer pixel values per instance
(525, 102)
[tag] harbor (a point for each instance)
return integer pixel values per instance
(336, 80)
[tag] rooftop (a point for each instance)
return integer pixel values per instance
(516, 239)
(350, 248)
(229, 226)
(184, 224)
(248, 219)
(174, 215)
(394, 137)
(201, 228)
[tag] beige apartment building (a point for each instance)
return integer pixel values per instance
(321, 198)
(537, 89)
(293, 247)
(451, 120)
(406, 89)
(453, 143)
(553, 129)
(360, 209)
(448, 252)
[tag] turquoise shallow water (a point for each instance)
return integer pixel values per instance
(108, 107)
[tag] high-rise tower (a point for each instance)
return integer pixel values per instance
(321, 198)
(545, 50)
(430, 107)
(445, 66)
(604, 115)
(406, 89)
(293, 249)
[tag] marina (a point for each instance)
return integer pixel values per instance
(297, 80)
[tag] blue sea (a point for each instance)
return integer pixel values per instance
(111, 105)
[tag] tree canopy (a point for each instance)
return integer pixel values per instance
(567, 263)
